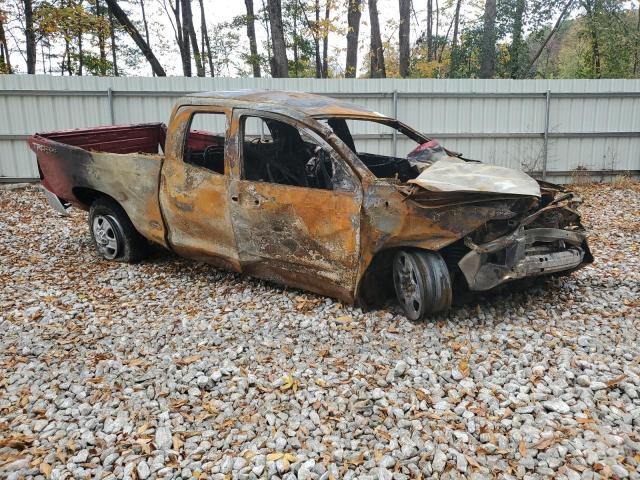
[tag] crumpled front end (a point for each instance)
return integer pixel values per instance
(546, 241)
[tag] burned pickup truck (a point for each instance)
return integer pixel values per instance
(281, 186)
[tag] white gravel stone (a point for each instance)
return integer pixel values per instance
(583, 380)
(109, 362)
(163, 438)
(556, 406)
(306, 470)
(143, 470)
(595, 386)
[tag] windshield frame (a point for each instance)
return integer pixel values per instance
(389, 122)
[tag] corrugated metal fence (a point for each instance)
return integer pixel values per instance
(545, 126)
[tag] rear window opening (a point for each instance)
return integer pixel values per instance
(204, 144)
(372, 141)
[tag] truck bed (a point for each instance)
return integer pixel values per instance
(123, 162)
(142, 138)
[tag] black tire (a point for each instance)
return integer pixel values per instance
(422, 283)
(113, 234)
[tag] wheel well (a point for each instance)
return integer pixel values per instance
(88, 195)
(376, 286)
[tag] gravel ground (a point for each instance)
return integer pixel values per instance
(171, 368)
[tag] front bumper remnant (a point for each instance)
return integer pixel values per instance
(523, 253)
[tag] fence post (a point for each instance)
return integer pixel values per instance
(546, 134)
(110, 100)
(395, 116)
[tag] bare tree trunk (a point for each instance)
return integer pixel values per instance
(488, 55)
(455, 54)
(437, 32)
(122, 18)
(563, 14)
(44, 58)
(205, 36)
(101, 40)
(636, 56)
(280, 61)
(145, 23)
(268, 29)
(325, 40)
(429, 30)
(353, 20)
(444, 43)
(295, 39)
(183, 44)
(67, 52)
(253, 44)
(80, 53)
(316, 40)
(30, 37)
(377, 52)
(590, 7)
(5, 59)
(114, 55)
(186, 40)
(404, 33)
(517, 47)
(187, 22)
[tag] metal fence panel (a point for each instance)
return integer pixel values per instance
(593, 124)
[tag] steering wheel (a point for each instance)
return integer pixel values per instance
(316, 168)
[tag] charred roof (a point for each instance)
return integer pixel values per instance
(305, 103)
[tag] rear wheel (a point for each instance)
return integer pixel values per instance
(422, 283)
(113, 234)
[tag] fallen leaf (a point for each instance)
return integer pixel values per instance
(177, 442)
(464, 367)
(617, 380)
(45, 469)
(585, 420)
(357, 461)
(472, 461)
(522, 448)
(188, 360)
(545, 443)
(17, 442)
(289, 383)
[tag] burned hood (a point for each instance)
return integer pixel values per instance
(451, 174)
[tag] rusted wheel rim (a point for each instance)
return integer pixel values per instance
(408, 284)
(107, 236)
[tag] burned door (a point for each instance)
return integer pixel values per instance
(195, 185)
(295, 206)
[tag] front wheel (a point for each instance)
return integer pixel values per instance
(422, 283)
(113, 234)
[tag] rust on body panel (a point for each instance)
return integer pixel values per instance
(290, 233)
(194, 200)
